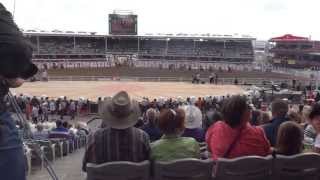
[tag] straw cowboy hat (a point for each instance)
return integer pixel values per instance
(120, 112)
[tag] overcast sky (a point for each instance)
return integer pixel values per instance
(262, 19)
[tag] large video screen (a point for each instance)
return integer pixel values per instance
(123, 24)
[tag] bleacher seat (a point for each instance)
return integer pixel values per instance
(183, 169)
(120, 170)
(58, 147)
(244, 168)
(48, 148)
(36, 155)
(297, 167)
(28, 160)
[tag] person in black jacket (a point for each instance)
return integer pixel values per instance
(279, 109)
(15, 66)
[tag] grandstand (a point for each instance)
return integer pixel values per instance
(60, 47)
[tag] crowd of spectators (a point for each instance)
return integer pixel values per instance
(226, 127)
(168, 129)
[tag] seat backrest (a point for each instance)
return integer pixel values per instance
(120, 170)
(183, 169)
(244, 168)
(301, 166)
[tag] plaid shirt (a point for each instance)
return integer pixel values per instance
(109, 144)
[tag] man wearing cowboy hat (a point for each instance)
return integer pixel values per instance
(15, 65)
(120, 140)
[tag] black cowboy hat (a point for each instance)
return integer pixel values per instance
(15, 50)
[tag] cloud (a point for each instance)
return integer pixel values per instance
(260, 18)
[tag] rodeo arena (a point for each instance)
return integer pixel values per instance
(124, 106)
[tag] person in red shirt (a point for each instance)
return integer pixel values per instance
(235, 137)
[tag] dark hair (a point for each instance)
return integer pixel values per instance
(233, 110)
(58, 123)
(65, 124)
(279, 108)
(217, 116)
(315, 111)
(289, 139)
(171, 121)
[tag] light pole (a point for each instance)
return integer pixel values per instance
(14, 9)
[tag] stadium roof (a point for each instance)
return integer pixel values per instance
(288, 38)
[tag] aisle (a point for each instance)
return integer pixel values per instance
(68, 168)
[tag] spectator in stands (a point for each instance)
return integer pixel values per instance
(72, 108)
(193, 123)
(314, 117)
(15, 65)
(35, 114)
(256, 117)
(40, 134)
(120, 141)
(60, 131)
(28, 109)
(294, 116)
(52, 107)
(151, 127)
(265, 118)
(309, 131)
(172, 146)
(279, 109)
(45, 111)
(289, 139)
(235, 137)
(82, 129)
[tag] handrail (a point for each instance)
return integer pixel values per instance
(162, 79)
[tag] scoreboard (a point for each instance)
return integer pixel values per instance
(123, 24)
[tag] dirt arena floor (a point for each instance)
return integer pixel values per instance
(95, 89)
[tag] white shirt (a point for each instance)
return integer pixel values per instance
(52, 106)
(35, 112)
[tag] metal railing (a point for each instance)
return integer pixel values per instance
(166, 79)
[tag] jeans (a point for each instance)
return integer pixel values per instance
(12, 160)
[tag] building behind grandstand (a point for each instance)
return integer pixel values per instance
(295, 52)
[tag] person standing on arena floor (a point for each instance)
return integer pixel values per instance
(119, 141)
(15, 65)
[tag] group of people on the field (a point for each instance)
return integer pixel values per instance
(41, 108)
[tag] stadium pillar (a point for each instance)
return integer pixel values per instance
(138, 45)
(106, 46)
(38, 44)
(74, 43)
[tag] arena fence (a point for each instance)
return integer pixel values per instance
(253, 81)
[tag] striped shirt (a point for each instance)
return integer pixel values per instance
(108, 145)
(310, 132)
